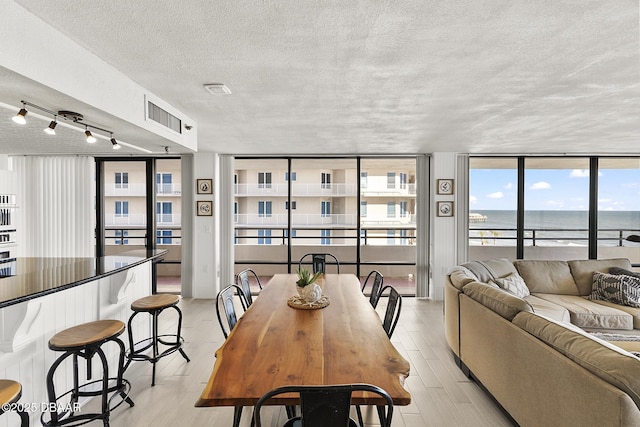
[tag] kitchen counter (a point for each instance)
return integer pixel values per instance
(37, 277)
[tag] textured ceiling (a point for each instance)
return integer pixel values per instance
(379, 77)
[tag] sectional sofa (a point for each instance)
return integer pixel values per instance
(526, 331)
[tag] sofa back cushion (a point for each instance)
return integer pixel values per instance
(487, 270)
(547, 277)
(582, 271)
(460, 276)
(500, 301)
(610, 363)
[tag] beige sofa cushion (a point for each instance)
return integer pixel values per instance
(611, 363)
(589, 314)
(549, 309)
(460, 276)
(549, 277)
(490, 269)
(502, 302)
(633, 312)
(582, 271)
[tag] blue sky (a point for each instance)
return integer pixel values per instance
(554, 189)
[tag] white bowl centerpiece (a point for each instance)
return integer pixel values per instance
(306, 286)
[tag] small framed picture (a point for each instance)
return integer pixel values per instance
(204, 186)
(204, 208)
(445, 186)
(444, 209)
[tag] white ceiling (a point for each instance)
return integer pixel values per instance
(364, 77)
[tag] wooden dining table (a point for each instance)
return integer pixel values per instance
(274, 345)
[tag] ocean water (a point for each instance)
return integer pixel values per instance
(556, 227)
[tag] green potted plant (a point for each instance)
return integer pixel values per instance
(307, 289)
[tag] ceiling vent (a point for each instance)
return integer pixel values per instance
(217, 89)
(163, 117)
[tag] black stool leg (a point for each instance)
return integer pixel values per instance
(179, 333)
(24, 419)
(121, 368)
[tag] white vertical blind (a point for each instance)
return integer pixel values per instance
(423, 264)
(56, 215)
(227, 226)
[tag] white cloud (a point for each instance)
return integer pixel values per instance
(508, 186)
(605, 200)
(540, 186)
(555, 203)
(579, 173)
(473, 200)
(496, 195)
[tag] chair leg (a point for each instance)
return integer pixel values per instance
(359, 412)
(237, 414)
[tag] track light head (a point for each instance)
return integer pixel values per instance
(20, 117)
(116, 146)
(90, 138)
(51, 129)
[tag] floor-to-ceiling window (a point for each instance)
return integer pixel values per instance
(493, 206)
(554, 207)
(126, 192)
(326, 205)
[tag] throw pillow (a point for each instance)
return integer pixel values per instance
(618, 289)
(623, 271)
(513, 283)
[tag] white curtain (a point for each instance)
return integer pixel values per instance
(56, 206)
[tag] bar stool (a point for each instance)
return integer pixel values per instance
(85, 341)
(154, 305)
(10, 392)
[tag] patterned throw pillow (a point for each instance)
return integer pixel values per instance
(513, 283)
(618, 289)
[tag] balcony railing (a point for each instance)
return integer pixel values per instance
(172, 189)
(296, 219)
(549, 236)
(297, 189)
(140, 220)
(398, 190)
(133, 189)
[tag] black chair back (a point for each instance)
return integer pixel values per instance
(324, 406)
(392, 313)
(243, 280)
(225, 302)
(319, 262)
(378, 279)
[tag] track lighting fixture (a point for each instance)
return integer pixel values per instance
(116, 146)
(90, 138)
(51, 129)
(76, 122)
(20, 117)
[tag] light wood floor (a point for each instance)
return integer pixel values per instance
(441, 394)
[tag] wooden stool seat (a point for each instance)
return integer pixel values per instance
(10, 391)
(154, 302)
(86, 334)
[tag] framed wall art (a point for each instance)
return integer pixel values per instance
(204, 208)
(445, 186)
(444, 209)
(204, 186)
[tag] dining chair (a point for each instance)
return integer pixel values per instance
(375, 287)
(225, 302)
(244, 282)
(392, 314)
(319, 262)
(326, 405)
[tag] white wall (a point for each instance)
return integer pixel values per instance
(443, 229)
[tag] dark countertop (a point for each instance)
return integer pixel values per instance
(36, 277)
